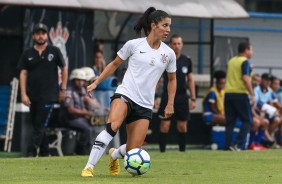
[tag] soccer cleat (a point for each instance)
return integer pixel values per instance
(256, 147)
(87, 172)
(234, 148)
(114, 164)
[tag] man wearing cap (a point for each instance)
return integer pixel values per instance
(238, 89)
(77, 112)
(39, 85)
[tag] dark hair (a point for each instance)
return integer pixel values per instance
(220, 74)
(256, 75)
(149, 16)
(97, 43)
(98, 51)
(174, 36)
(273, 78)
(243, 46)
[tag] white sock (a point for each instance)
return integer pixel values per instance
(101, 142)
(120, 152)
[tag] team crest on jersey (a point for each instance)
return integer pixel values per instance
(50, 57)
(184, 69)
(164, 58)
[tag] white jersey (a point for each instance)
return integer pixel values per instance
(145, 67)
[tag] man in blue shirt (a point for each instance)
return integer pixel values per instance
(264, 95)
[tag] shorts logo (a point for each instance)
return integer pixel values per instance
(50, 57)
(123, 99)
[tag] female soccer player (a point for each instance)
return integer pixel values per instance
(132, 103)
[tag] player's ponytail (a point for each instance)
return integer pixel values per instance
(149, 16)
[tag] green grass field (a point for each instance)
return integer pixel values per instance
(173, 167)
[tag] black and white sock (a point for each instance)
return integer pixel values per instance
(101, 142)
(119, 152)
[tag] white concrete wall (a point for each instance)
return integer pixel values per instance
(264, 34)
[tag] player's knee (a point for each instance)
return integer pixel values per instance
(164, 128)
(182, 127)
(111, 129)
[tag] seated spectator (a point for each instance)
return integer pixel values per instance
(213, 108)
(264, 95)
(259, 124)
(277, 89)
(78, 115)
(255, 80)
(93, 103)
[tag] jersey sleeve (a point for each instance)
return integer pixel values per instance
(211, 97)
(246, 68)
(126, 51)
(22, 62)
(273, 97)
(69, 100)
(171, 67)
(189, 65)
(60, 60)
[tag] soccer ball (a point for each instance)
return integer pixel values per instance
(137, 161)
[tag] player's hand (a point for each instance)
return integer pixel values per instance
(62, 95)
(253, 100)
(87, 114)
(192, 105)
(90, 88)
(26, 100)
(168, 112)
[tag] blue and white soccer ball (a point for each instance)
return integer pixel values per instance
(137, 161)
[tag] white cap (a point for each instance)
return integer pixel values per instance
(78, 74)
(90, 75)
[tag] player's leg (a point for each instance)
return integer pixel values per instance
(243, 108)
(182, 115)
(118, 112)
(182, 130)
(164, 129)
(230, 116)
(254, 129)
(136, 133)
(219, 119)
(164, 125)
(119, 152)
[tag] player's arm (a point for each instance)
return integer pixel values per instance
(24, 97)
(191, 87)
(64, 78)
(79, 112)
(212, 102)
(63, 86)
(246, 69)
(171, 90)
(108, 71)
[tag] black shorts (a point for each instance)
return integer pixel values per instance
(134, 111)
(181, 107)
